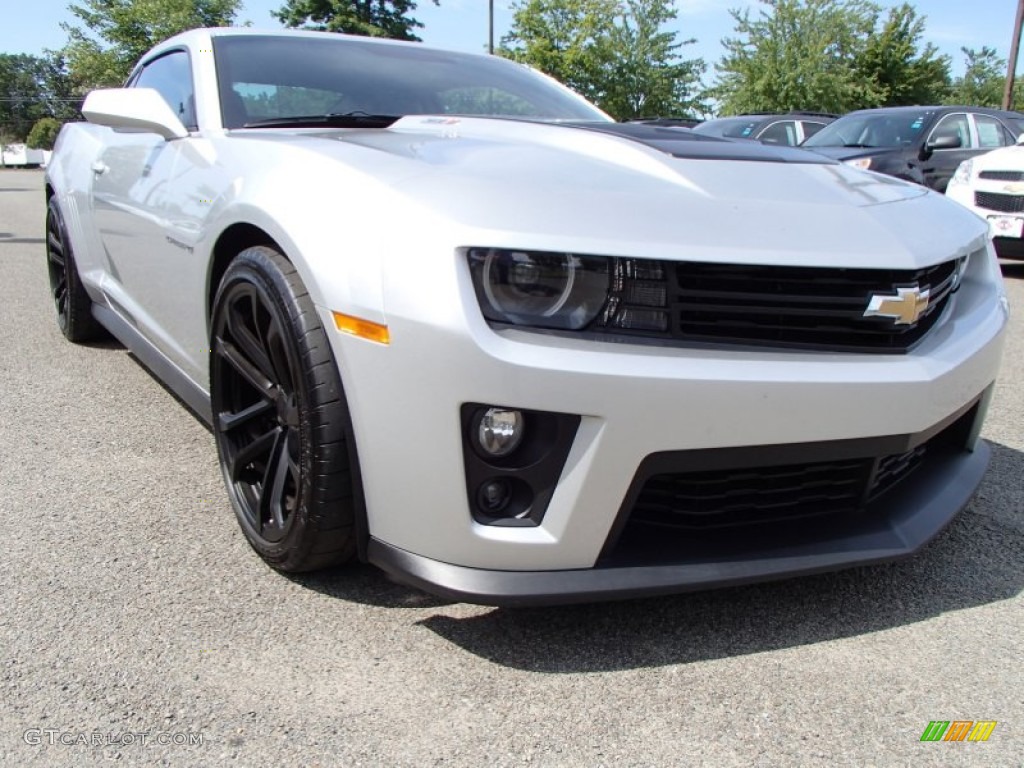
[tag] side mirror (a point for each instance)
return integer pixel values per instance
(133, 109)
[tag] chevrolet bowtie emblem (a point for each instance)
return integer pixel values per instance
(904, 308)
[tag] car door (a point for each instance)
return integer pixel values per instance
(809, 128)
(991, 133)
(150, 198)
(939, 165)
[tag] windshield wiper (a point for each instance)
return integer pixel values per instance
(330, 120)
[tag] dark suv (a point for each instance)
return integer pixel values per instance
(922, 144)
(786, 129)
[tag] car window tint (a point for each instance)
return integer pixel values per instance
(729, 127)
(171, 76)
(873, 129)
(783, 132)
(991, 132)
(953, 125)
(262, 101)
(482, 100)
(811, 128)
(283, 77)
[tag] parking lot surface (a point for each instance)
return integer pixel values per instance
(138, 626)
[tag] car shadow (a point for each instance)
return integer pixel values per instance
(978, 560)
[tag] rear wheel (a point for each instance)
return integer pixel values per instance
(280, 416)
(73, 305)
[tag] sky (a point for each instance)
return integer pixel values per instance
(461, 25)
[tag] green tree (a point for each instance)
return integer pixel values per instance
(22, 94)
(62, 100)
(797, 54)
(893, 61)
(649, 77)
(567, 39)
(616, 53)
(117, 32)
(983, 80)
(373, 18)
(43, 133)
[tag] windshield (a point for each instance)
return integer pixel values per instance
(892, 129)
(272, 78)
(729, 127)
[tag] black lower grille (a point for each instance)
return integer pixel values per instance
(1002, 175)
(743, 496)
(808, 307)
(683, 502)
(995, 201)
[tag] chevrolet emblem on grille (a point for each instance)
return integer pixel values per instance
(904, 308)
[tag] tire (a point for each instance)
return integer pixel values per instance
(280, 417)
(74, 307)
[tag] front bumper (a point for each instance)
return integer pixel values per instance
(896, 526)
(634, 401)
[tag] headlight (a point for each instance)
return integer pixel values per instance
(864, 163)
(963, 173)
(547, 290)
(566, 291)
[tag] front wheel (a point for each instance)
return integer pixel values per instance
(280, 416)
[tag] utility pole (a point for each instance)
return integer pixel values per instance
(490, 25)
(1011, 69)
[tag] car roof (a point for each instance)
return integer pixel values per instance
(773, 115)
(201, 36)
(942, 108)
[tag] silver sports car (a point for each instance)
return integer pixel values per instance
(444, 316)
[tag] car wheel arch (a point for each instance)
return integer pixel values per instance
(231, 242)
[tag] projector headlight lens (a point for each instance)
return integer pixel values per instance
(543, 290)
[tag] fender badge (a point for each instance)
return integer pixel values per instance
(904, 308)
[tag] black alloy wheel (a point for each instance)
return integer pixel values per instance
(73, 305)
(280, 419)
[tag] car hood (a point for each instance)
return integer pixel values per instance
(1005, 159)
(619, 190)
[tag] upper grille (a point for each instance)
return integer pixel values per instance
(994, 201)
(1002, 175)
(816, 307)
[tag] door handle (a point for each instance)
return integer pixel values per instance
(100, 167)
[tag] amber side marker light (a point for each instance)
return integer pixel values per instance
(364, 329)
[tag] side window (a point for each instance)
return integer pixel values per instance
(783, 132)
(991, 132)
(811, 128)
(953, 125)
(171, 76)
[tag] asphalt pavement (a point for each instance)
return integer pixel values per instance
(136, 625)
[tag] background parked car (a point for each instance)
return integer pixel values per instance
(787, 129)
(993, 187)
(667, 122)
(921, 144)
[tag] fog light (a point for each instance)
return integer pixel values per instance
(500, 431)
(494, 496)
